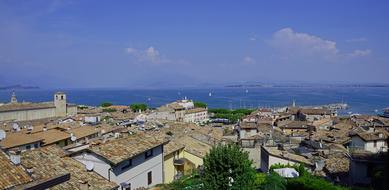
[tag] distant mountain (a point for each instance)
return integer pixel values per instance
(17, 87)
(302, 85)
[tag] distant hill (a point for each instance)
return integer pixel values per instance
(304, 85)
(17, 87)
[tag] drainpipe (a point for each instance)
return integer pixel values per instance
(109, 174)
(163, 166)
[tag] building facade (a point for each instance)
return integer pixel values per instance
(196, 115)
(130, 163)
(370, 141)
(23, 111)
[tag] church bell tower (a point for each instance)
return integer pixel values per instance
(60, 104)
(13, 98)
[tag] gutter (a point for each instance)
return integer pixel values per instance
(109, 174)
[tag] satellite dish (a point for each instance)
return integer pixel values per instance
(2, 134)
(89, 166)
(15, 127)
(73, 138)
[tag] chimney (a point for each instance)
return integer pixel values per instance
(30, 170)
(83, 185)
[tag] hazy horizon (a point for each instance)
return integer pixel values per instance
(133, 44)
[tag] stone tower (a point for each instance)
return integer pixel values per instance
(13, 98)
(60, 104)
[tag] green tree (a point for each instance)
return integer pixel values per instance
(228, 167)
(274, 182)
(137, 107)
(260, 180)
(200, 104)
(106, 104)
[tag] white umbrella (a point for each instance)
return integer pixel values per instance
(287, 172)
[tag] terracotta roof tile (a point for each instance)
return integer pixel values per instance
(11, 175)
(50, 161)
(118, 150)
(25, 106)
(18, 139)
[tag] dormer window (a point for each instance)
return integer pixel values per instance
(149, 154)
(127, 165)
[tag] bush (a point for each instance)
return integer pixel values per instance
(106, 104)
(306, 181)
(274, 182)
(233, 116)
(226, 162)
(200, 105)
(82, 107)
(137, 107)
(191, 182)
(260, 179)
(311, 183)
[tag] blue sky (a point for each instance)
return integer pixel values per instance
(58, 43)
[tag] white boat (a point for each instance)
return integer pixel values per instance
(210, 94)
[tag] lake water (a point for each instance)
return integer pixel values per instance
(360, 99)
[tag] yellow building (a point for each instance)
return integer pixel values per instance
(182, 156)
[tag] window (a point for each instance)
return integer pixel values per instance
(62, 97)
(126, 186)
(127, 165)
(36, 145)
(28, 147)
(149, 153)
(149, 178)
(375, 144)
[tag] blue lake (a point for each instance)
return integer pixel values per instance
(360, 99)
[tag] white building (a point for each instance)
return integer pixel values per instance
(15, 111)
(370, 141)
(187, 104)
(92, 119)
(196, 115)
(131, 162)
(181, 110)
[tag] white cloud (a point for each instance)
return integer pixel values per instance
(131, 50)
(151, 55)
(360, 53)
(253, 37)
(303, 46)
(248, 60)
(287, 40)
(357, 40)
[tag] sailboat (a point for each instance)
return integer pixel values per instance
(210, 94)
(247, 91)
